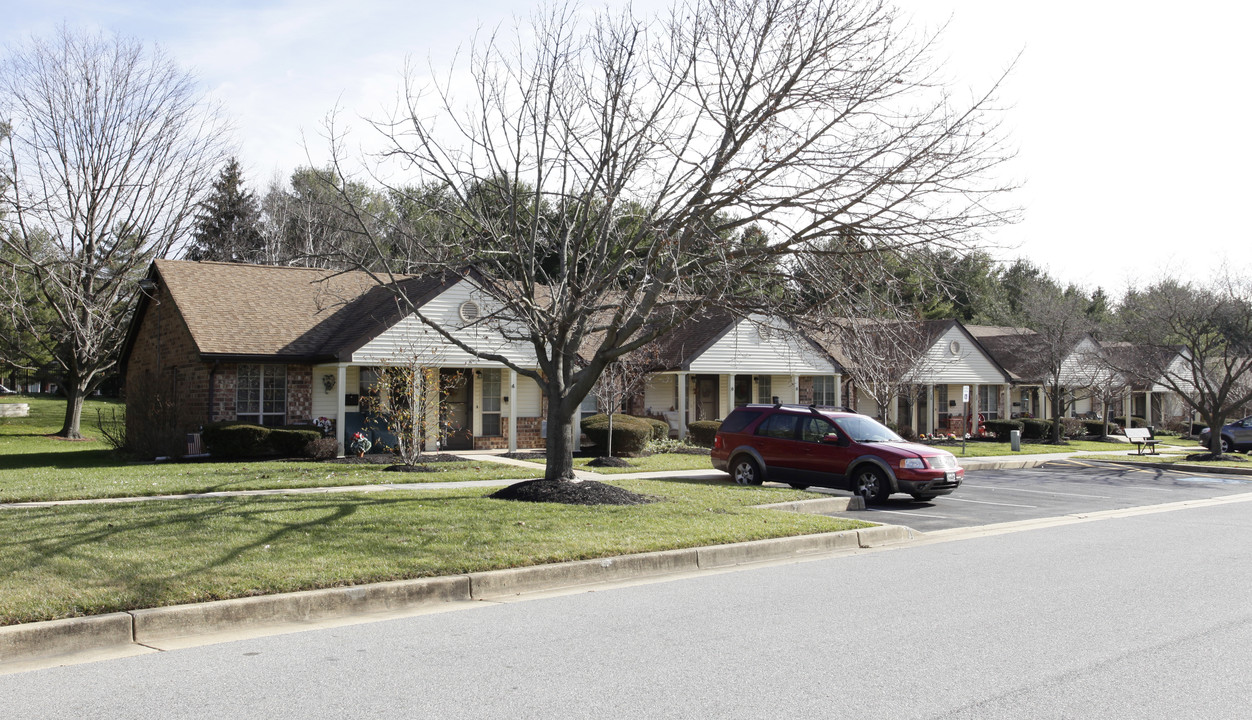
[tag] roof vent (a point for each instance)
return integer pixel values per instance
(955, 347)
(469, 311)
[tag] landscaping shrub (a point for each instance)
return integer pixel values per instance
(233, 440)
(702, 432)
(1072, 427)
(1094, 427)
(323, 448)
(1035, 429)
(660, 428)
(630, 434)
(1197, 428)
(1121, 420)
(1002, 428)
(291, 441)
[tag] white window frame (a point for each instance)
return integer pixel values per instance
(267, 378)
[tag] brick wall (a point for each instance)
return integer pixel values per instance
(528, 430)
(166, 386)
(806, 389)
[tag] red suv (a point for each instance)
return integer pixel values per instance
(804, 445)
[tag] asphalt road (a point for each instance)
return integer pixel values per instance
(1062, 487)
(1144, 616)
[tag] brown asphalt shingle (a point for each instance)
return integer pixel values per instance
(234, 309)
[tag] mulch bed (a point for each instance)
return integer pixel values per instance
(615, 462)
(1210, 457)
(571, 492)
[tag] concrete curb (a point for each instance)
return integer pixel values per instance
(818, 506)
(998, 464)
(62, 639)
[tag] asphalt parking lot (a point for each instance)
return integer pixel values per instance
(1062, 487)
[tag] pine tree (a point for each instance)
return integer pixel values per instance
(227, 227)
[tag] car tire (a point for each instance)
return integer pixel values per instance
(745, 471)
(924, 497)
(1225, 446)
(871, 484)
(799, 486)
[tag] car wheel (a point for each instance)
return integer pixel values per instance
(746, 472)
(924, 497)
(799, 486)
(1225, 446)
(870, 483)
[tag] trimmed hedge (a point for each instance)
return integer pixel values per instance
(1036, 429)
(1002, 428)
(293, 441)
(630, 433)
(235, 440)
(1096, 427)
(702, 432)
(660, 428)
(1139, 422)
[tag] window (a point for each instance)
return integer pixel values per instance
(779, 426)
(738, 420)
(813, 429)
(261, 394)
(824, 391)
(590, 405)
(763, 392)
(989, 402)
(942, 402)
(491, 402)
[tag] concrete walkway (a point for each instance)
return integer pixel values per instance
(1001, 462)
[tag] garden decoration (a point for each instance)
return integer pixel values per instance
(360, 444)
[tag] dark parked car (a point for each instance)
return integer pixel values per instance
(804, 446)
(1236, 436)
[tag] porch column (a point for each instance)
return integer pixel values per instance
(730, 394)
(913, 411)
(838, 389)
(513, 410)
(1006, 408)
(341, 409)
(795, 388)
(971, 423)
(429, 406)
(893, 409)
(1128, 406)
(576, 442)
(1147, 408)
(682, 406)
(931, 410)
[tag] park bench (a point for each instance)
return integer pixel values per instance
(1141, 437)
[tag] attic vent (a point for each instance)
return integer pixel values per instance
(763, 332)
(469, 311)
(955, 347)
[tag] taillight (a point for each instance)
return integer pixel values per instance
(717, 442)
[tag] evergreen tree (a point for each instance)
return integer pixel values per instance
(227, 227)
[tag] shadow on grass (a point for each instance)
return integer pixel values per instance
(66, 459)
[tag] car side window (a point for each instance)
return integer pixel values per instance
(779, 426)
(738, 420)
(813, 429)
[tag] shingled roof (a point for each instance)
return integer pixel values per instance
(235, 310)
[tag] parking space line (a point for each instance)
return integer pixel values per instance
(910, 514)
(1039, 492)
(949, 498)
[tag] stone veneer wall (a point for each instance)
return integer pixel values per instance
(528, 435)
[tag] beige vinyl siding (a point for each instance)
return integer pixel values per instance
(658, 394)
(326, 404)
(529, 398)
(967, 367)
(743, 351)
(410, 337)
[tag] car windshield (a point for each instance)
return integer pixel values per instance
(866, 430)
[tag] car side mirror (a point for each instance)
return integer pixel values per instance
(834, 439)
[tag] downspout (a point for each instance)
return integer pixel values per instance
(212, 387)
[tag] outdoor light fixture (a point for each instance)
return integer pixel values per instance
(147, 285)
(328, 382)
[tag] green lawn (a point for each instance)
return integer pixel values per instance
(653, 463)
(36, 467)
(76, 560)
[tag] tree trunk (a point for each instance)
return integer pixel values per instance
(1215, 433)
(74, 396)
(1056, 413)
(560, 443)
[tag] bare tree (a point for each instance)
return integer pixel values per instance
(603, 169)
(110, 146)
(1194, 340)
(623, 378)
(884, 357)
(1058, 322)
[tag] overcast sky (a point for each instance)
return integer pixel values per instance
(1124, 113)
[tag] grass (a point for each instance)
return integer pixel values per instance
(653, 463)
(78, 560)
(34, 466)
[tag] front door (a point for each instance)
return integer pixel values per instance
(706, 397)
(456, 424)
